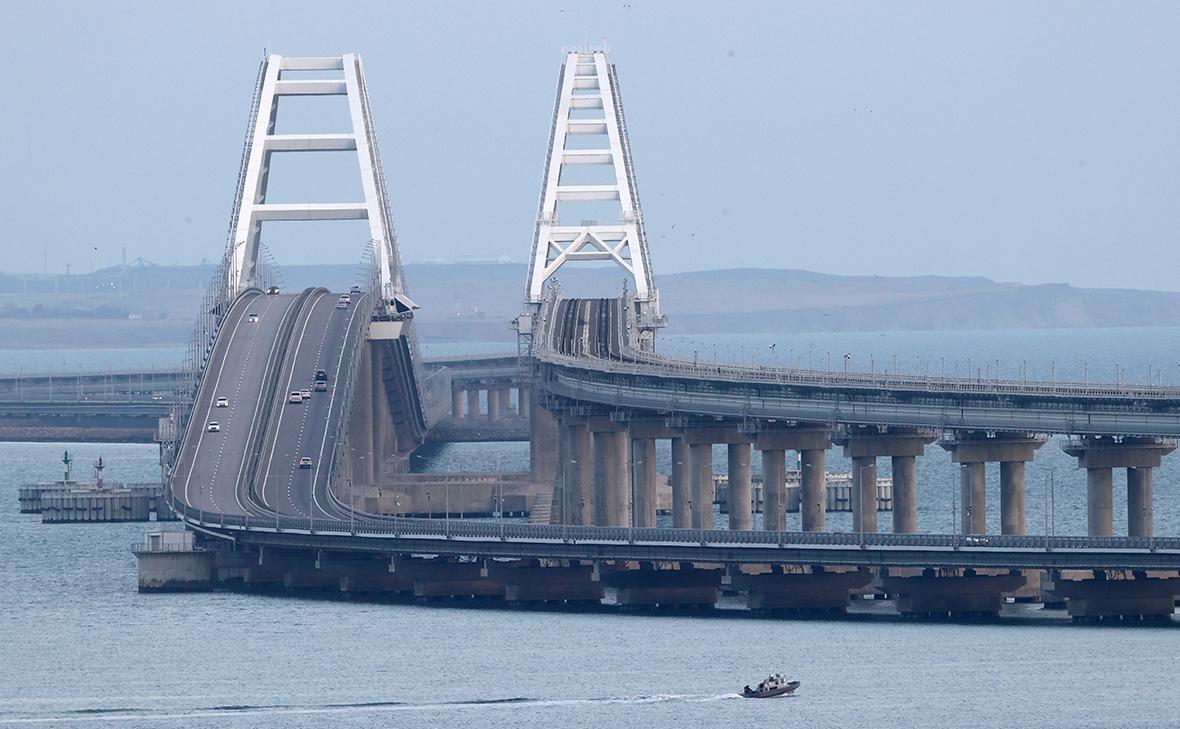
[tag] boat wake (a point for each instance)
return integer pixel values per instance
(136, 714)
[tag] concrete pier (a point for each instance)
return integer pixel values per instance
(811, 443)
(172, 562)
(973, 497)
(457, 402)
(774, 489)
(681, 484)
(611, 475)
(643, 481)
(1122, 595)
(494, 411)
(578, 476)
(648, 587)
(1012, 520)
(741, 512)
(901, 444)
(1140, 511)
(1100, 456)
(864, 493)
(700, 456)
(905, 494)
(972, 450)
(473, 402)
(799, 589)
(953, 593)
(527, 582)
(813, 490)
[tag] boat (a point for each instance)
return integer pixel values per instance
(775, 685)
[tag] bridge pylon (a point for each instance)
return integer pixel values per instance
(280, 77)
(589, 141)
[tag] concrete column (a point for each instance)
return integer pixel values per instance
(1140, 512)
(611, 477)
(360, 437)
(700, 458)
(543, 445)
(579, 468)
(774, 489)
(1012, 519)
(973, 497)
(681, 484)
(456, 402)
(741, 515)
(505, 400)
(1100, 501)
(380, 416)
(494, 412)
(522, 400)
(905, 494)
(813, 502)
(864, 494)
(643, 481)
(473, 402)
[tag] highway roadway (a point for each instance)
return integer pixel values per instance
(210, 465)
(269, 346)
(309, 429)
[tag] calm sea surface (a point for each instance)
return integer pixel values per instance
(80, 647)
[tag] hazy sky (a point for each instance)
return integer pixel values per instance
(1020, 141)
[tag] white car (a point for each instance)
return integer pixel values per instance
(223, 402)
(252, 318)
(305, 394)
(295, 398)
(214, 427)
(305, 462)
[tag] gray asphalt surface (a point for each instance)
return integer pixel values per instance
(210, 465)
(309, 428)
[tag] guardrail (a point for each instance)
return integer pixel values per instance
(636, 362)
(483, 530)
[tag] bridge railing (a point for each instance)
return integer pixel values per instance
(636, 362)
(495, 530)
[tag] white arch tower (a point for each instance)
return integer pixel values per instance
(589, 107)
(252, 208)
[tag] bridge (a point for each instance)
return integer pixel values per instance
(299, 486)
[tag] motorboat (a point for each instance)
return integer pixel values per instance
(774, 685)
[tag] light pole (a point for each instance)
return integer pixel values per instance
(774, 356)
(351, 509)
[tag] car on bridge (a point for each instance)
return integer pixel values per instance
(222, 402)
(252, 317)
(305, 393)
(342, 302)
(321, 386)
(295, 398)
(272, 291)
(213, 427)
(305, 462)
(321, 375)
(355, 291)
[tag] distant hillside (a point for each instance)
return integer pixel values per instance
(144, 304)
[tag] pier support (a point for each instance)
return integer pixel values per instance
(774, 489)
(1100, 455)
(578, 472)
(473, 402)
(612, 477)
(648, 587)
(799, 589)
(526, 582)
(457, 401)
(700, 456)
(972, 450)
(950, 593)
(811, 443)
(681, 484)
(643, 481)
(901, 444)
(1122, 595)
(741, 492)
(494, 412)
